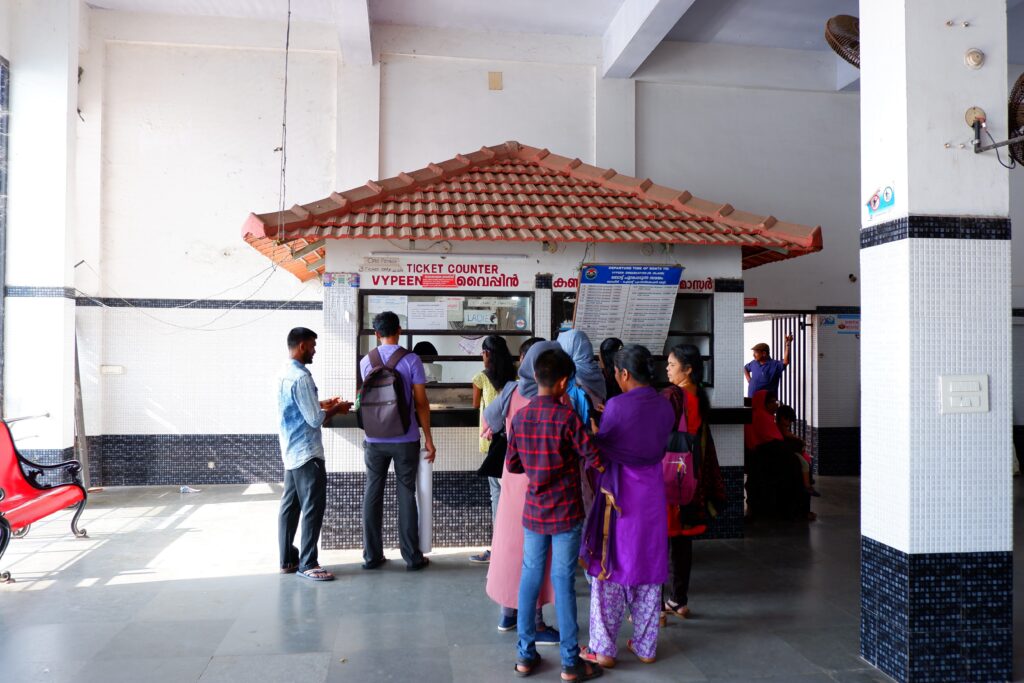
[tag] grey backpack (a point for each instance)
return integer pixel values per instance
(383, 406)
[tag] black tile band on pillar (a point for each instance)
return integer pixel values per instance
(937, 616)
(725, 285)
(935, 227)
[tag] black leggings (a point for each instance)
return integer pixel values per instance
(680, 564)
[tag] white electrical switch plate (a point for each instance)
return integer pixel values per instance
(964, 393)
(111, 369)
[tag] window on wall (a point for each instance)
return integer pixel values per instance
(563, 310)
(447, 329)
(693, 323)
(5, 91)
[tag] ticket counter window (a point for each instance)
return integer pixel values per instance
(447, 330)
(692, 323)
(563, 309)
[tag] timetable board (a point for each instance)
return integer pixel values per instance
(631, 302)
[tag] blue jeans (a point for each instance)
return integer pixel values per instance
(565, 551)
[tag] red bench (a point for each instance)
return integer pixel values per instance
(24, 500)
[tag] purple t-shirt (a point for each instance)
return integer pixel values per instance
(411, 370)
(765, 376)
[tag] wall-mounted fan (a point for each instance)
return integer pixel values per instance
(842, 33)
(1016, 120)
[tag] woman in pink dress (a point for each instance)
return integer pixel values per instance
(507, 543)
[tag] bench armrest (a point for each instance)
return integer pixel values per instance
(73, 467)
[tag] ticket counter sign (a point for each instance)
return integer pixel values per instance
(631, 302)
(447, 275)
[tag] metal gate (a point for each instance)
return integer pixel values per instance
(797, 382)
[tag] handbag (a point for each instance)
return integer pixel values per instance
(677, 467)
(494, 464)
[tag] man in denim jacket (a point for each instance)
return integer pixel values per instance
(302, 449)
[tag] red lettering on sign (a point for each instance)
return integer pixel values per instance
(749, 302)
(705, 285)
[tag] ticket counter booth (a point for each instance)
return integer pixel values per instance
(493, 242)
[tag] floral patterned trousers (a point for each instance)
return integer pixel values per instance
(608, 602)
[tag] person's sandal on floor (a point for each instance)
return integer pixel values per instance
(632, 648)
(289, 569)
(317, 574)
(526, 667)
(589, 655)
(582, 671)
(675, 609)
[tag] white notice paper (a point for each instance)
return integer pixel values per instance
(428, 315)
(378, 303)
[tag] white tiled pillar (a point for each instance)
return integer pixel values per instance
(936, 562)
(39, 306)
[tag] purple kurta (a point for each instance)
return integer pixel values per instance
(625, 540)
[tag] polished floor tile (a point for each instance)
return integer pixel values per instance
(173, 587)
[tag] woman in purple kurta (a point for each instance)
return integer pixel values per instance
(624, 547)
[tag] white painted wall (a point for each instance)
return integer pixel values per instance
(182, 117)
(189, 135)
(789, 153)
(435, 107)
(5, 29)
(837, 377)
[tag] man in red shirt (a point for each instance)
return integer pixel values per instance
(547, 440)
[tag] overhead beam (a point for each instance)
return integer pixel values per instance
(638, 27)
(352, 19)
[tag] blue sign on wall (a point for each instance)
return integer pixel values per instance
(631, 275)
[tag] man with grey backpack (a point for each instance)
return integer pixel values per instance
(392, 408)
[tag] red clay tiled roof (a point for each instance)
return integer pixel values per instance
(519, 193)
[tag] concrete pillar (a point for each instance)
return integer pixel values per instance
(39, 305)
(936, 520)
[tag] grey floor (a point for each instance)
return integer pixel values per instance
(182, 587)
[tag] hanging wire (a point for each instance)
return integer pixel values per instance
(205, 327)
(1013, 162)
(284, 126)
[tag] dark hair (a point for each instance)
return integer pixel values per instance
(637, 360)
(299, 335)
(499, 367)
(525, 346)
(424, 348)
(786, 413)
(552, 366)
(386, 324)
(608, 349)
(689, 356)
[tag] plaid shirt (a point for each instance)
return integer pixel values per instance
(546, 442)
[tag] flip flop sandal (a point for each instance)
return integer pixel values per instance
(645, 660)
(317, 574)
(675, 609)
(581, 672)
(594, 658)
(529, 664)
(289, 569)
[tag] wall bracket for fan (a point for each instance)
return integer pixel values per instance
(975, 118)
